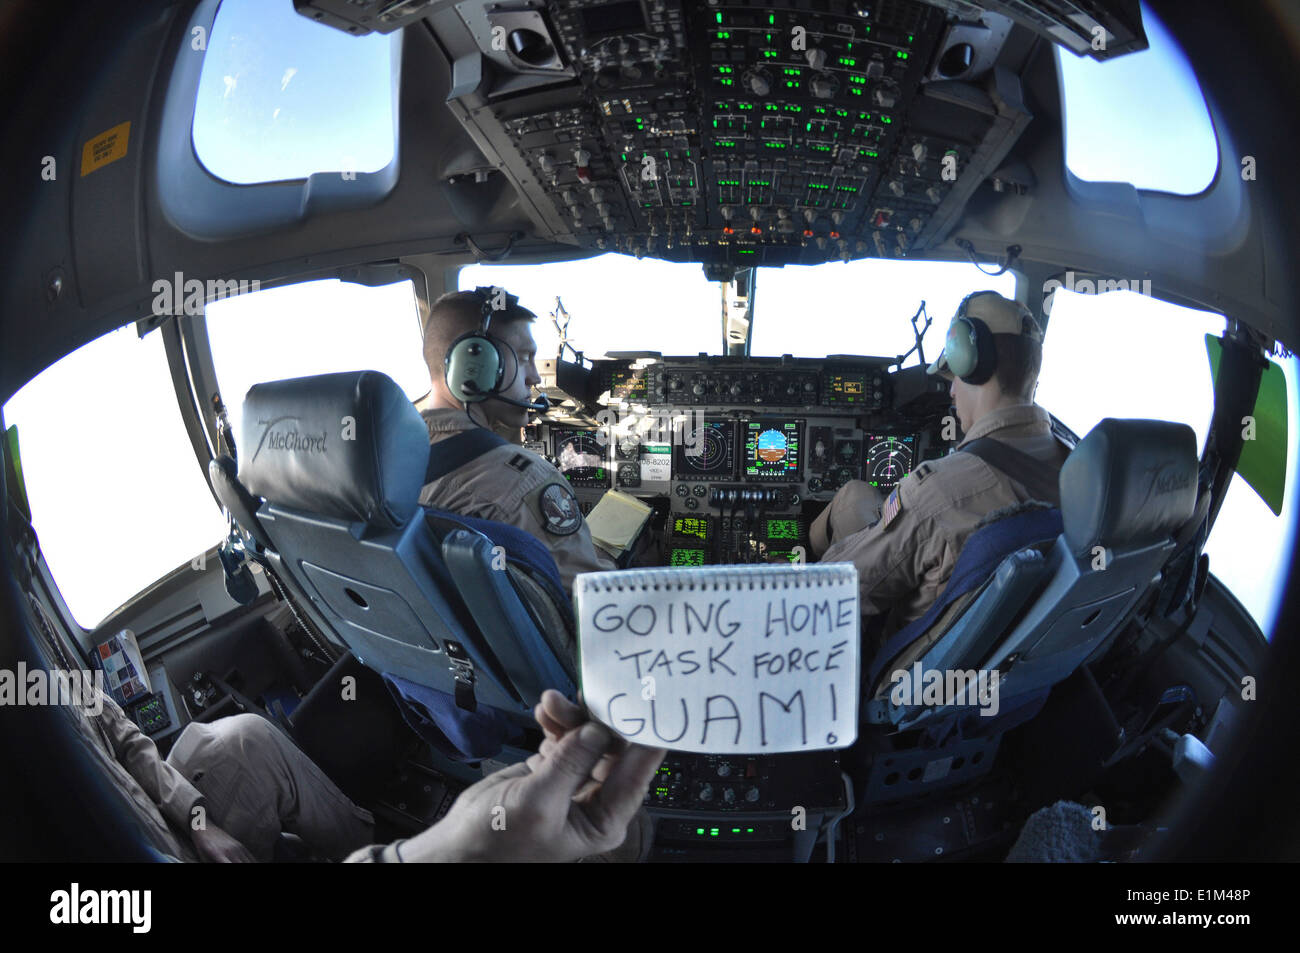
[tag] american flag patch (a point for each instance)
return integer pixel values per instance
(893, 506)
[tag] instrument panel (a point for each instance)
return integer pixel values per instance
(738, 455)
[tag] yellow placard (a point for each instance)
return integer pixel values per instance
(105, 148)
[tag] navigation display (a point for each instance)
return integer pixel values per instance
(706, 453)
(889, 459)
(772, 449)
(581, 458)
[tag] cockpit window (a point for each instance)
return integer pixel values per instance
(316, 327)
(1124, 354)
(615, 303)
(282, 98)
(1139, 118)
(861, 307)
(116, 497)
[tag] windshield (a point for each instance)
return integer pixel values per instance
(615, 303)
(861, 307)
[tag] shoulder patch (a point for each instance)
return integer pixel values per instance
(558, 508)
(890, 510)
(520, 462)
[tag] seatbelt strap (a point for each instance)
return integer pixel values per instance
(454, 452)
(1042, 480)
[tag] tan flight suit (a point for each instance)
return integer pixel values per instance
(257, 782)
(509, 484)
(904, 560)
(158, 792)
(239, 773)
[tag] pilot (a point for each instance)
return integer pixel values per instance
(473, 471)
(905, 547)
(235, 783)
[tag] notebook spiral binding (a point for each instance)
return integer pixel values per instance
(726, 579)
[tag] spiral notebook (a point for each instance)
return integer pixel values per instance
(725, 659)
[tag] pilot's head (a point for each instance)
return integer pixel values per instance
(461, 312)
(992, 355)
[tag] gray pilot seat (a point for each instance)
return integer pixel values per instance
(465, 618)
(1051, 589)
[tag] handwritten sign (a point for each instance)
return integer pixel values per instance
(723, 660)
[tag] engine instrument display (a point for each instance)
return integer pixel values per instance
(772, 449)
(705, 453)
(889, 458)
(692, 527)
(581, 458)
(686, 556)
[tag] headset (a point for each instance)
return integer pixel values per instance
(475, 365)
(969, 347)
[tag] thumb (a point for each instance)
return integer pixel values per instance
(569, 765)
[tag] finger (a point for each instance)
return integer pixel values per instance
(568, 767)
(550, 726)
(559, 709)
(622, 793)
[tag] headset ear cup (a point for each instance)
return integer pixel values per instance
(473, 368)
(960, 349)
(983, 361)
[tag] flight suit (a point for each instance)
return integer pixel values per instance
(509, 484)
(159, 793)
(905, 558)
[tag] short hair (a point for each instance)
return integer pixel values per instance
(1020, 358)
(459, 312)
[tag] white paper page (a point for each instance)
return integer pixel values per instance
(723, 659)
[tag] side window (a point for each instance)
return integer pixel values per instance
(317, 327)
(1124, 354)
(117, 498)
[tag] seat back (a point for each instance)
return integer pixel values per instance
(338, 461)
(1125, 490)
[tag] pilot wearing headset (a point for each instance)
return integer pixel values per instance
(480, 352)
(905, 547)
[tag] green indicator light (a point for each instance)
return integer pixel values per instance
(771, 19)
(700, 830)
(625, 157)
(747, 251)
(723, 36)
(909, 38)
(719, 16)
(684, 203)
(808, 127)
(725, 82)
(886, 119)
(749, 830)
(715, 126)
(735, 830)
(901, 55)
(855, 91)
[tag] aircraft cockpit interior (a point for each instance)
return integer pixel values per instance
(402, 643)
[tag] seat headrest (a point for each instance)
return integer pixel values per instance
(350, 446)
(1129, 483)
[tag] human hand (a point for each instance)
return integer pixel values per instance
(574, 798)
(215, 846)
